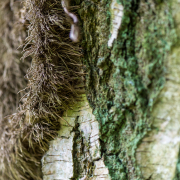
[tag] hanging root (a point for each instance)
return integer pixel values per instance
(54, 74)
(75, 32)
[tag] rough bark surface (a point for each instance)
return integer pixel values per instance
(126, 126)
(76, 154)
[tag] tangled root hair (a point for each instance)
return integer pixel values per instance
(53, 80)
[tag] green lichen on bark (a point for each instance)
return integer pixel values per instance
(122, 83)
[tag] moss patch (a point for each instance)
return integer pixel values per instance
(123, 82)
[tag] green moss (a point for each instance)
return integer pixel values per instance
(123, 82)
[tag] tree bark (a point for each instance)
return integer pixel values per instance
(76, 153)
(126, 125)
(131, 56)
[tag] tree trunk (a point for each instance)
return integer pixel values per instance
(126, 124)
(131, 56)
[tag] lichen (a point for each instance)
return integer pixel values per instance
(122, 83)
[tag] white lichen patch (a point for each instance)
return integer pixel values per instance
(58, 161)
(116, 18)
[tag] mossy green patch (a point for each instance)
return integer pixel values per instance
(123, 81)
